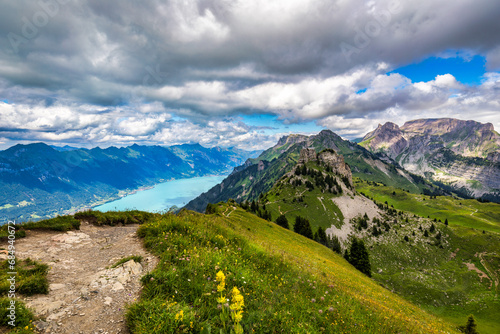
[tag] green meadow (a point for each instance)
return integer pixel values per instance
(463, 212)
(289, 284)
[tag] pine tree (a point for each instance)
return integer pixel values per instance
(282, 221)
(303, 226)
(307, 230)
(346, 256)
(470, 327)
(433, 228)
(298, 226)
(321, 236)
(426, 234)
(334, 244)
(446, 221)
(358, 257)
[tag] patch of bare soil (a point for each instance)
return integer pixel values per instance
(351, 207)
(86, 296)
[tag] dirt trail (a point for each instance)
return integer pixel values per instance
(84, 296)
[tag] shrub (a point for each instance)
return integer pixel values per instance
(211, 209)
(282, 221)
(303, 226)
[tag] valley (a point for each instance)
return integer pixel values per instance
(281, 228)
(38, 181)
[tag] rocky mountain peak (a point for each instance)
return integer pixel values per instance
(307, 154)
(291, 139)
(443, 148)
(327, 157)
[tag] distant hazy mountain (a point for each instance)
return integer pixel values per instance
(464, 155)
(64, 148)
(259, 175)
(37, 180)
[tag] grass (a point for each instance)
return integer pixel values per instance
(424, 270)
(60, 223)
(113, 218)
(433, 274)
(317, 206)
(23, 317)
(466, 213)
(31, 278)
(136, 258)
(293, 201)
(290, 284)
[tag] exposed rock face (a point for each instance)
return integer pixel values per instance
(328, 158)
(463, 154)
(337, 163)
(291, 139)
(307, 154)
(388, 137)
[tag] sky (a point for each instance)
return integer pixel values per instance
(240, 73)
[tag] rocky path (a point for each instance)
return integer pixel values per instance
(85, 296)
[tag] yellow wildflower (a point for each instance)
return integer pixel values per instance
(238, 316)
(221, 278)
(180, 315)
(237, 300)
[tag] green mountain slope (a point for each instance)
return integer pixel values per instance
(37, 180)
(449, 270)
(289, 284)
(259, 175)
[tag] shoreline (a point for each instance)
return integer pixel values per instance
(132, 192)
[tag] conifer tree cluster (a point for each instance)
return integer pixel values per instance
(326, 183)
(303, 226)
(282, 221)
(358, 256)
(254, 207)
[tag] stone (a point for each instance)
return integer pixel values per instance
(56, 316)
(41, 325)
(57, 286)
(117, 286)
(123, 278)
(107, 301)
(132, 267)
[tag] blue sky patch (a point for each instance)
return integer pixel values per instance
(466, 71)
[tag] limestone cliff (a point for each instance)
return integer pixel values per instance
(462, 154)
(329, 158)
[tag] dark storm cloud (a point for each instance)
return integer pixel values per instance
(206, 58)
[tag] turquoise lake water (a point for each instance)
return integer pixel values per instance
(164, 195)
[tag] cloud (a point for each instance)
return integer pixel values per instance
(122, 71)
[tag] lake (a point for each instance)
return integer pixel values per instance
(163, 195)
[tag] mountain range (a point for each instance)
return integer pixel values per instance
(423, 242)
(38, 180)
(258, 175)
(463, 156)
